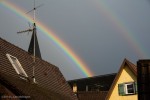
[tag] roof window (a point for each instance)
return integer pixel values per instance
(17, 66)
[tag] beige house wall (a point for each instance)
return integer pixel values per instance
(125, 76)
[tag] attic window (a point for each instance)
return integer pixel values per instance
(17, 66)
(127, 88)
(130, 88)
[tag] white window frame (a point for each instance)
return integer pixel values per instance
(14, 66)
(126, 88)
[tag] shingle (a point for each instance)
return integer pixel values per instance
(51, 85)
(92, 95)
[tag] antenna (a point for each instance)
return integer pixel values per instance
(34, 26)
(28, 30)
(33, 29)
(34, 9)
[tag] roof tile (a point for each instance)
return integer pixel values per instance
(51, 85)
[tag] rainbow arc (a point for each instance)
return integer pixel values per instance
(65, 48)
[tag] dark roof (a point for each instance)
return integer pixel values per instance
(104, 81)
(51, 85)
(94, 77)
(92, 95)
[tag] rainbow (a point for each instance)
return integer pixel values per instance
(68, 51)
(119, 24)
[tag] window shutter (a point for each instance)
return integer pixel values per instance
(136, 87)
(121, 89)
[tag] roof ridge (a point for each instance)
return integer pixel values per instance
(93, 77)
(132, 66)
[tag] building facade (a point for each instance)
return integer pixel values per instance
(124, 86)
(92, 88)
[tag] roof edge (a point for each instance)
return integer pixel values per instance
(125, 61)
(92, 77)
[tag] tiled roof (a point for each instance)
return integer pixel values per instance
(92, 95)
(104, 81)
(51, 85)
(132, 67)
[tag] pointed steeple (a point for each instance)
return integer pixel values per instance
(34, 46)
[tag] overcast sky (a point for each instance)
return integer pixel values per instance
(101, 32)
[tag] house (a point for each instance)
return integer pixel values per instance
(143, 79)
(124, 86)
(92, 88)
(23, 76)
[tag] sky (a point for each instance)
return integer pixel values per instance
(102, 33)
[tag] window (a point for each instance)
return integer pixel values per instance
(127, 88)
(17, 66)
(75, 87)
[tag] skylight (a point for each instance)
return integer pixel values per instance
(17, 66)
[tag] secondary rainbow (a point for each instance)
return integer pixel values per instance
(81, 65)
(121, 27)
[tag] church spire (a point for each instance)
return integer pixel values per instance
(34, 46)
